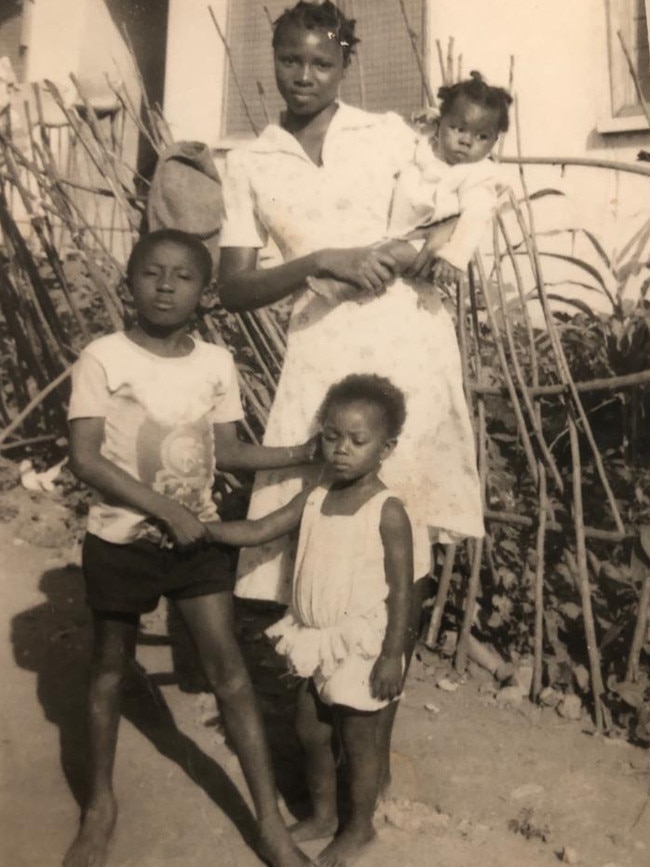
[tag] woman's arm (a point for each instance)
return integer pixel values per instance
(247, 533)
(91, 467)
(244, 286)
(232, 454)
(395, 528)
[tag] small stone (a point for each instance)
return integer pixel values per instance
(526, 791)
(509, 695)
(431, 707)
(550, 697)
(447, 685)
(569, 855)
(570, 707)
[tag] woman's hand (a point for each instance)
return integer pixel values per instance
(368, 268)
(386, 678)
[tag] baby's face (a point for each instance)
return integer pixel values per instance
(467, 133)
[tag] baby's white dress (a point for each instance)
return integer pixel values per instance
(272, 188)
(336, 623)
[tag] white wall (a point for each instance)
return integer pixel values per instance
(194, 76)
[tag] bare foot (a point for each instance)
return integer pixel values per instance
(90, 847)
(347, 847)
(314, 828)
(277, 847)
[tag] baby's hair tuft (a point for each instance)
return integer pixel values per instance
(476, 89)
(147, 242)
(319, 16)
(368, 388)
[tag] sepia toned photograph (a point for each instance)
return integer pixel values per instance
(325, 433)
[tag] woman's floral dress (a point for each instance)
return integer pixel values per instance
(272, 189)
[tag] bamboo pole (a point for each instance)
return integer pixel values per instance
(34, 403)
(582, 576)
(235, 77)
(538, 640)
(635, 77)
(431, 100)
(585, 162)
(554, 526)
(433, 629)
(643, 610)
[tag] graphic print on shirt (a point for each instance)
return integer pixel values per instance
(178, 462)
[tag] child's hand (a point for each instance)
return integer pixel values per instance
(423, 263)
(444, 273)
(386, 678)
(184, 528)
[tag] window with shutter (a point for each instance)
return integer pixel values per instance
(383, 75)
(631, 18)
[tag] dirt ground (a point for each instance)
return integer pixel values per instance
(477, 781)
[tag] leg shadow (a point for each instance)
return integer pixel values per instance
(54, 641)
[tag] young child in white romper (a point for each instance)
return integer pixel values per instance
(346, 628)
(450, 175)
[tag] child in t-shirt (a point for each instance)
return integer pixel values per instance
(152, 410)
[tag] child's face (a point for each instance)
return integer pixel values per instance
(308, 69)
(167, 285)
(467, 133)
(354, 440)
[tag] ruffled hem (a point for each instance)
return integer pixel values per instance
(310, 649)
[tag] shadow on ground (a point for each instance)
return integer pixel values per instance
(53, 640)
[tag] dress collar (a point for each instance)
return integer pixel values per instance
(274, 138)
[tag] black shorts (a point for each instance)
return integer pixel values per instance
(131, 578)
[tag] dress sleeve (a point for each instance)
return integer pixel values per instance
(240, 228)
(90, 393)
(477, 195)
(228, 405)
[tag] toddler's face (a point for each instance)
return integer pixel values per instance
(467, 133)
(166, 285)
(354, 440)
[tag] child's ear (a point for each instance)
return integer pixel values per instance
(388, 447)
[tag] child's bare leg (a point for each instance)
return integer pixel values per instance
(387, 719)
(113, 648)
(314, 728)
(359, 737)
(211, 624)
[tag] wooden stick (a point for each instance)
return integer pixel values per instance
(635, 77)
(586, 162)
(597, 686)
(538, 643)
(554, 526)
(612, 383)
(433, 629)
(505, 371)
(235, 78)
(428, 91)
(643, 612)
(34, 403)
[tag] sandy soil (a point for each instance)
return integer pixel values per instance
(477, 781)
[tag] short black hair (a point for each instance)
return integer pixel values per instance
(477, 90)
(191, 242)
(319, 16)
(368, 388)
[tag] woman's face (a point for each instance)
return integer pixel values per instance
(308, 69)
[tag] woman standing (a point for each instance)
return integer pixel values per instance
(320, 185)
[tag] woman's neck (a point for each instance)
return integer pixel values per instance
(310, 130)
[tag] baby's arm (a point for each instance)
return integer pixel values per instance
(247, 533)
(232, 454)
(91, 467)
(395, 528)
